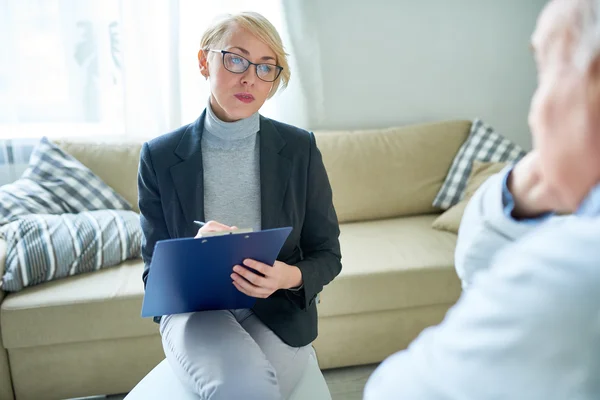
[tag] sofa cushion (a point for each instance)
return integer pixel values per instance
(6, 390)
(44, 248)
(483, 144)
(56, 183)
(451, 218)
(115, 163)
(3, 248)
(101, 305)
(392, 264)
(26, 196)
(389, 173)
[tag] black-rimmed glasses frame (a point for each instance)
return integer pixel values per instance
(225, 52)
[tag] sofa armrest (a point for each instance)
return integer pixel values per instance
(6, 387)
(2, 265)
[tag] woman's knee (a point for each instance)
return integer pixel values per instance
(214, 361)
(243, 381)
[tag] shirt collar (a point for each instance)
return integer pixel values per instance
(231, 131)
(591, 205)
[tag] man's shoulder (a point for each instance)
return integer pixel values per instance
(573, 236)
(538, 303)
(560, 257)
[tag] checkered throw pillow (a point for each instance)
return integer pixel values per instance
(483, 144)
(42, 248)
(56, 183)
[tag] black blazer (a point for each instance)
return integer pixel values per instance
(295, 191)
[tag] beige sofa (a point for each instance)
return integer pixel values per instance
(83, 335)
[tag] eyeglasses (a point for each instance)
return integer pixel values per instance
(238, 65)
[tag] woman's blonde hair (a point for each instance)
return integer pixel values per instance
(260, 27)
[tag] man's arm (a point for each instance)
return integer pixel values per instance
(529, 328)
(487, 227)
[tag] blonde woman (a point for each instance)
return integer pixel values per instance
(234, 167)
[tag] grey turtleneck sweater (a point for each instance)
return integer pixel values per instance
(231, 162)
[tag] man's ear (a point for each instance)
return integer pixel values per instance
(593, 93)
(203, 63)
(593, 84)
(595, 69)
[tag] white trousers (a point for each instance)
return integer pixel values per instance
(231, 355)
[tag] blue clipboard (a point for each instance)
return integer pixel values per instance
(188, 275)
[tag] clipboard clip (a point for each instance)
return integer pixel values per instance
(223, 233)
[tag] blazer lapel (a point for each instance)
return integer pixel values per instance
(275, 171)
(188, 176)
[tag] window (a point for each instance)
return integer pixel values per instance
(61, 68)
(100, 68)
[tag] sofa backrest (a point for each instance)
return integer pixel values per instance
(116, 163)
(386, 173)
(374, 174)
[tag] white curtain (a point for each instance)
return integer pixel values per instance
(14, 157)
(102, 68)
(152, 101)
(60, 68)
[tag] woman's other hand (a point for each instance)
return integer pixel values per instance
(214, 226)
(278, 276)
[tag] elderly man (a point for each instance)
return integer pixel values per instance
(528, 324)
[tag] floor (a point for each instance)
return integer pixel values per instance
(348, 383)
(344, 383)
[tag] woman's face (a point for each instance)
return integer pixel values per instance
(237, 96)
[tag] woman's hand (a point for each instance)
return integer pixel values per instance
(279, 276)
(214, 226)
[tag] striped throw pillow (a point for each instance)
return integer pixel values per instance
(56, 183)
(42, 248)
(483, 144)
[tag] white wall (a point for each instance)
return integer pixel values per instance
(380, 63)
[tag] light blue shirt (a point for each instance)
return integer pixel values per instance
(591, 205)
(509, 202)
(528, 324)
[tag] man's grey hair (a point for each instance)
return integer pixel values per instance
(588, 29)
